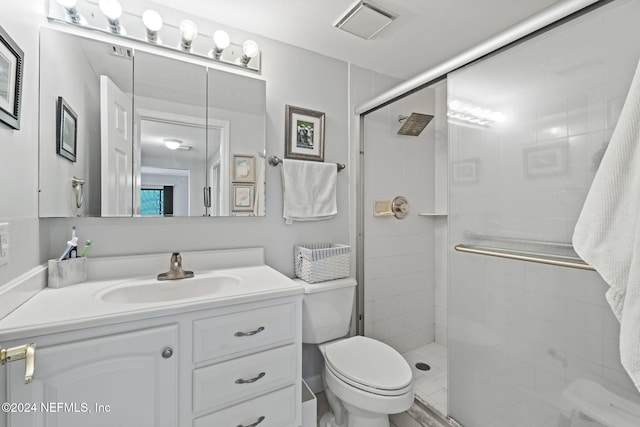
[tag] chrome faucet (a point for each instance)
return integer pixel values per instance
(175, 269)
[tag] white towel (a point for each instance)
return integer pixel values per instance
(309, 190)
(607, 234)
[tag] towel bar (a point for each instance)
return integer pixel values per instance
(275, 161)
(525, 256)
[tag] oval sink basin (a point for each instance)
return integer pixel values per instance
(151, 291)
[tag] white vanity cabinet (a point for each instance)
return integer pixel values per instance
(233, 365)
(128, 379)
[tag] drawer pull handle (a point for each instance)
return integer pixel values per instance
(252, 380)
(261, 419)
(248, 334)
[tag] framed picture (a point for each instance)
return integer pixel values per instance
(243, 197)
(244, 168)
(66, 130)
(11, 65)
(304, 134)
(550, 159)
(465, 170)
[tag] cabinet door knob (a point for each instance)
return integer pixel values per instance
(252, 380)
(261, 419)
(167, 352)
(248, 334)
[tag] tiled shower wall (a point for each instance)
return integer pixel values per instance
(399, 289)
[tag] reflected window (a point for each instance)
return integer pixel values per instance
(156, 201)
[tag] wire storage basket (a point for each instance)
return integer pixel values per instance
(318, 262)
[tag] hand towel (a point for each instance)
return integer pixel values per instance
(308, 190)
(607, 234)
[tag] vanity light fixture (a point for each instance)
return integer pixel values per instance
(153, 23)
(250, 50)
(221, 41)
(71, 9)
(172, 143)
(112, 9)
(188, 32)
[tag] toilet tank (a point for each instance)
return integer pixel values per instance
(326, 309)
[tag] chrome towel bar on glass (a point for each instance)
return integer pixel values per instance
(275, 161)
(525, 256)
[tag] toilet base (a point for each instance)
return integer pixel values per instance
(328, 420)
(359, 418)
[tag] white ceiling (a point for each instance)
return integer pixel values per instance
(426, 32)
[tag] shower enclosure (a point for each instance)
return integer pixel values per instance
(524, 129)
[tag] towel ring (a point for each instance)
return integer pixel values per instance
(275, 161)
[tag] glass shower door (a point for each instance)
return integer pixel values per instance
(532, 345)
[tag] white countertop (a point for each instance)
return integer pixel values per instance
(79, 306)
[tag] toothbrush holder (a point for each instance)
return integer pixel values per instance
(68, 272)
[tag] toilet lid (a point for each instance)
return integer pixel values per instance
(369, 362)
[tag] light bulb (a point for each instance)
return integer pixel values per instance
(69, 4)
(111, 8)
(172, 144)
(221, 39)
(250, 48)
(152, 20)
(189, 30)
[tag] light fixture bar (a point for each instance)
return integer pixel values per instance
(92, 14)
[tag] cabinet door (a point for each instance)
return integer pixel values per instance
(117, 380)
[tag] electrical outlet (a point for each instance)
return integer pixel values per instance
(4, 243)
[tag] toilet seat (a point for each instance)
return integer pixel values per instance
(369, 365)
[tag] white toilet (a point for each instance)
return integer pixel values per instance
(365, 380)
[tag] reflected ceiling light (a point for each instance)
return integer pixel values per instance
(250, 50)
(172, 143)
(221, 41)
(113, 11)
(71, 9)
(153, 23)
(464, 112)
(188, 31)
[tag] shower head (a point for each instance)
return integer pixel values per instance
(414, 124)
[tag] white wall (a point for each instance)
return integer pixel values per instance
(19, 148)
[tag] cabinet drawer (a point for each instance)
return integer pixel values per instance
(277, 408)
(239, 379)
(217, 336)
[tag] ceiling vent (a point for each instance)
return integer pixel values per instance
(364, 20)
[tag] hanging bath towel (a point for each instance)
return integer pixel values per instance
(607, 234)
(309, 190)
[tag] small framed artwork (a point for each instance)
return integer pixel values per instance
(304, 134)
(11, 68)
(244, 168)
(243, 197)
(465, 170)
(66, 130)
(550, 159)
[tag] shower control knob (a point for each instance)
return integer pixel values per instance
(400, 207)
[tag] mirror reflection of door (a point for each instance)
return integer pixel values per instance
(116, 149)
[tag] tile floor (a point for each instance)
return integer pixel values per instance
(431, 385)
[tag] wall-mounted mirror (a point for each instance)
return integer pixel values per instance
(179, 139)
